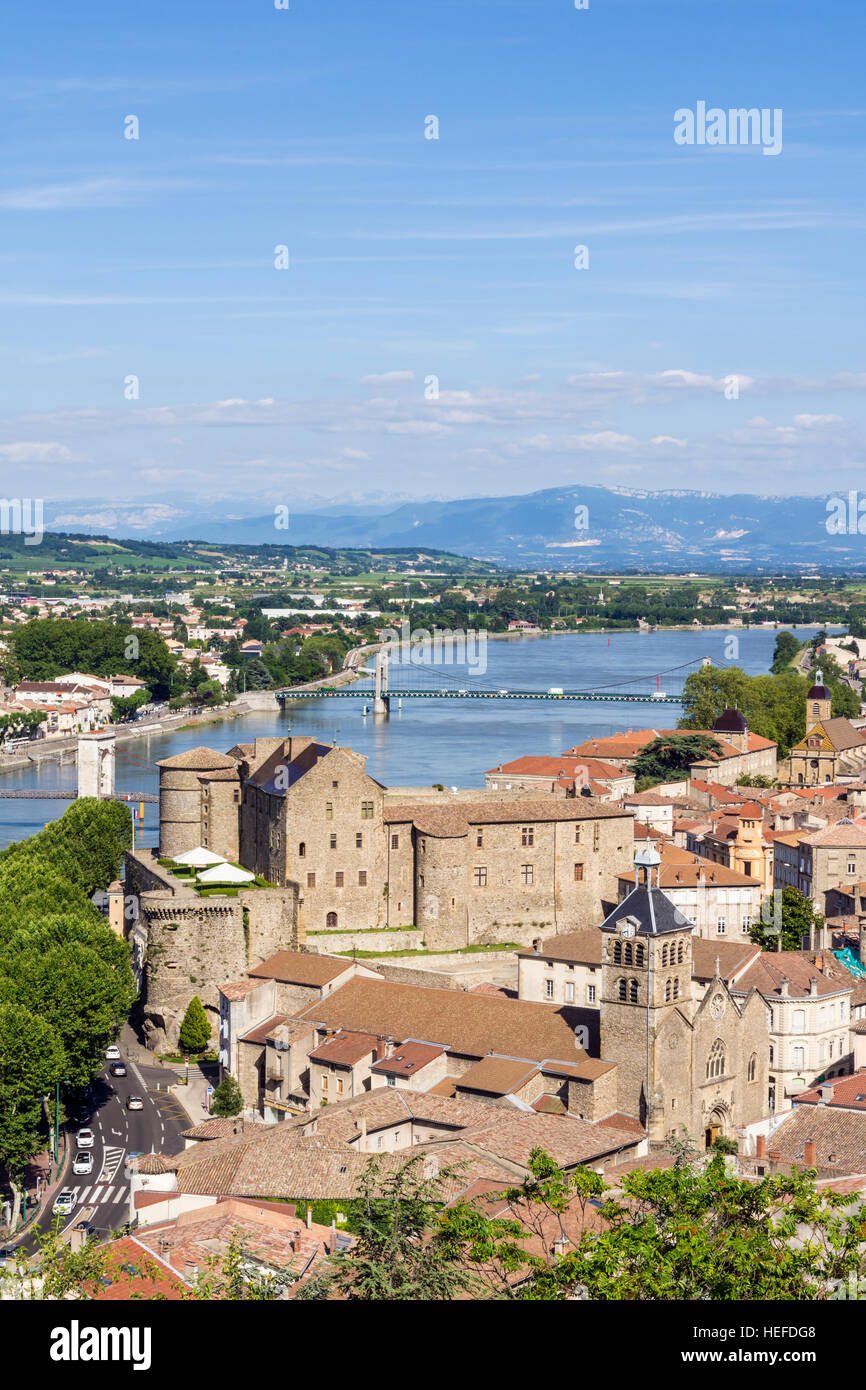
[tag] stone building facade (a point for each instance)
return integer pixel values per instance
(195, 942)
(465, 867)
(702, 1064)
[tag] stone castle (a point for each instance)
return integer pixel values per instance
(335, 850)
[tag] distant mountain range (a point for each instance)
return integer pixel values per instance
(582, 528)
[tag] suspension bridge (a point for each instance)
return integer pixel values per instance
(431, 682)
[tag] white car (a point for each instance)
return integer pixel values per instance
(64, 1202)
(82, 1162)
(84, 1139)
(556, 690)
(112, 1054)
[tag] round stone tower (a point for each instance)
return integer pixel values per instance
(181, 803)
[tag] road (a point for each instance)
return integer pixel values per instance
(103, 1194)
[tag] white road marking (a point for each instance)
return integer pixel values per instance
(82, 1196)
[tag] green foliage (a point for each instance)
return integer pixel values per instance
(195, 1029)
(773, 706)
(797, 917)
(668, 758)
(66, 981)
(784, 652)
(49, 647)
(227, 1098)
(681, 1234)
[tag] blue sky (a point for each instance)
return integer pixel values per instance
(413, 258)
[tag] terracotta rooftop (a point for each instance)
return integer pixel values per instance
(345, 1049)
(470, 1024)
(577, 946)
(497, 1076)
(556, 767)
(849, 1092)
(261, 1031)
(299, 968)
(239, 989)
(839, 1137)
(408, 1059)
(198, 759)
(447, 822)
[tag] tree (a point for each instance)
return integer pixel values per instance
(785, 650)
(668, 758)
(195, 1029)
(797, 917)
(31, 1061)
(405, 1247)
(684, 1233)
(228, 1098)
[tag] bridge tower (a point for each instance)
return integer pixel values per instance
(381, 701)
(96, 764)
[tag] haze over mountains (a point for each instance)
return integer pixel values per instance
(620, 528)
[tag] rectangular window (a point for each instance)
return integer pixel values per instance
(479, 839)
(391, 1081)
(329, 810)
(395, 841)
(338, 879)
(362, 878)
(569, 992)
(324, 1083)
(359, 840)
(335, 784)
(366, 810)
(333, 842)
(590, 994)
(311, 880)
(577, 834)
(578, 873)
(527, 836)
(548, 989)
(720, 926)
(479, 877)
(527, 874)
(596, 835)
(339, 1085)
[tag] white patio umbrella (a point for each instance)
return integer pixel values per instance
(226, 873)
(200, 858)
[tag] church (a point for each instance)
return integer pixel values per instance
(830, 748)
(681, 1060)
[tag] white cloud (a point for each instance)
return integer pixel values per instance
(27, 451)
(387, 378)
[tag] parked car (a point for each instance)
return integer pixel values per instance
(112, 1053)
(117, 1069)
(82, 1162)
(64, 1202)
(85, 1138)
(134, 1103)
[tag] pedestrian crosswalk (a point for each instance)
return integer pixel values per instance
(102, 1193)
(111, 1161)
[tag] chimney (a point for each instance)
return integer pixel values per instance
(813, 987)
(810, 1154)
(333, 1238)
(761, 1146)
(389, 1047)
(826, 1093)
(309, 1216)
(783, 988)
(362, 1126)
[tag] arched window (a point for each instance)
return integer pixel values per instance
(617, 953)
(626, 954)
(664, 955)
(716, 1059)
(621, 989)
(632, 991)
(676, 989)
(302, 850)
(680, 949)
(667, 991)
(638, 954)
(753, 1067)
(331, 921)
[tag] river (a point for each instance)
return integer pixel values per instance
(449, 741)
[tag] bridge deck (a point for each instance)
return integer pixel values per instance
(610, 697)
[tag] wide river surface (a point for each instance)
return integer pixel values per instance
(449, 741)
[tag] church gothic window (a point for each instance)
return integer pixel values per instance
(680, 949)
(621, 989)
(664, 955)
(638, 954)
(632, 991)
(753, 1067)
(668, 991)
(617, 953)
(626, 953)
(716, 1060)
